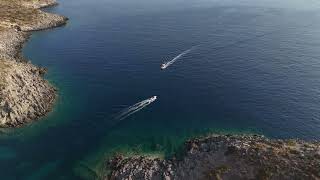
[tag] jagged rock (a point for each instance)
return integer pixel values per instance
(247, 157)
(11, 43)
(24, 94)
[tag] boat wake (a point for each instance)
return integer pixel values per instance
(167, 64)
(135, 108)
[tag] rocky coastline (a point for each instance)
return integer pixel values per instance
(24, 94)
(226, 157)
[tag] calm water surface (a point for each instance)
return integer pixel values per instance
(255, 70)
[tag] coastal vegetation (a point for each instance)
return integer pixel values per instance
(15, 12)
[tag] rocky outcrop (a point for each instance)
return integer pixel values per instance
(227, 157)
(24, 15)
(24, 94)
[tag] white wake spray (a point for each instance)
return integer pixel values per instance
(167, 64)
(135, 108)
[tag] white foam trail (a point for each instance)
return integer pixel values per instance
(167, 64)
(135, 108)
(132, 108)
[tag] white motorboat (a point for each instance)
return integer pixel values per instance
(163, 66)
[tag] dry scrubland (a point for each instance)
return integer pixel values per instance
(24, 94)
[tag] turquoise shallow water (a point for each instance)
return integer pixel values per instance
(255, 70)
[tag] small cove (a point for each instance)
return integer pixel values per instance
(108, 57)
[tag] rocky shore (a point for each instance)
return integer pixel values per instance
(226, 157)
(24, 94)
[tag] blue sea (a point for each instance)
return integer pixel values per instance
(254, 68)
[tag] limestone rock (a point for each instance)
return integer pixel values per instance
(24, 94)
(227, 157)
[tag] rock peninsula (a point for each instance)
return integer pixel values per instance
(226, 157)
(24, 94)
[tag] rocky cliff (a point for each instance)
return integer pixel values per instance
(24, 94)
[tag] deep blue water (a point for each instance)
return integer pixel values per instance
(255, 70)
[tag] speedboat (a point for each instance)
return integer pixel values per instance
(153, 98)
(163, 66)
